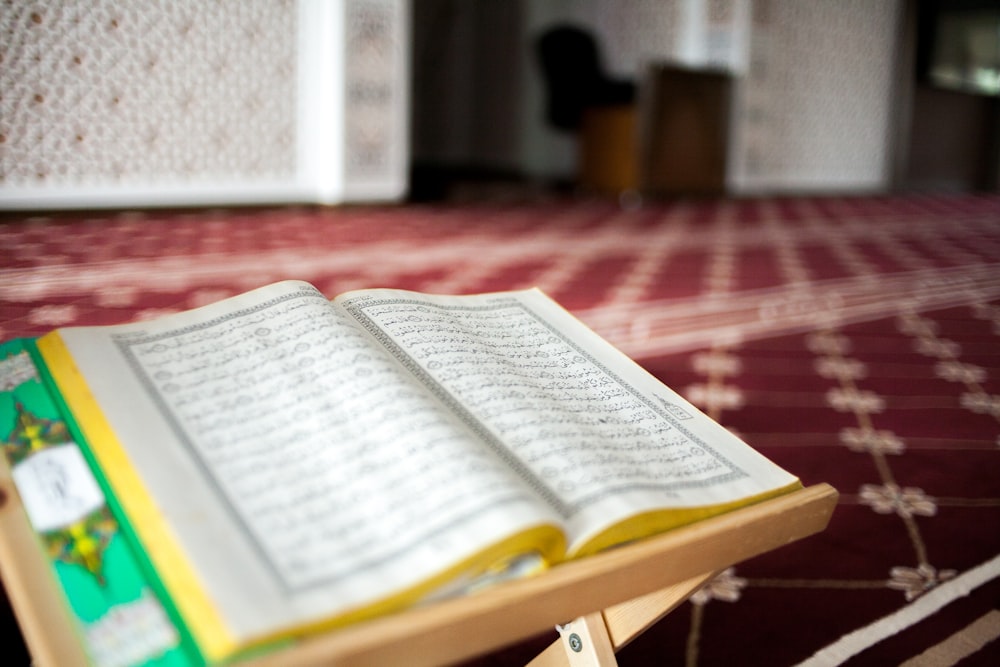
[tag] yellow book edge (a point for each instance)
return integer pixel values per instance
(202, 618)
(172, 566)
(547, 541)
(654, 522)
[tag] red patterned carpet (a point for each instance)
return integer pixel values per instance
(855, 341)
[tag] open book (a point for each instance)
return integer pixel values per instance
(289, 464)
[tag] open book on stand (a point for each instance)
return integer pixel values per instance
(285, 464)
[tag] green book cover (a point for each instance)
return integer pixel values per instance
(121, 620)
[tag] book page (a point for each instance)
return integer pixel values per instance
(300, 468)
(595, 435)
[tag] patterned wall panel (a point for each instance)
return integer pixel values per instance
(102, 97)
(815, 107)
(109, 91)
(637, 31)
(701, 34)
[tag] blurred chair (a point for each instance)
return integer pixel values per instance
(600, 110)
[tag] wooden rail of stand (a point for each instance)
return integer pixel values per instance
(636, 585)
(628, 588)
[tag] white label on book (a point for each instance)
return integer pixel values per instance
(131, 633)
(57, 487)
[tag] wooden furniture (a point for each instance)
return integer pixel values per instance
(673, 142)
(684, 130)
(617, 594)
(608, 150)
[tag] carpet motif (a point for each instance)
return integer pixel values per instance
(855, 341)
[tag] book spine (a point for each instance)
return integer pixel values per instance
(97, 568)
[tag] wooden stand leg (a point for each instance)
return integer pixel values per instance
(628, 620)
(600, 634)
(582, 643)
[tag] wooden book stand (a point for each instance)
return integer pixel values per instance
(614, 595)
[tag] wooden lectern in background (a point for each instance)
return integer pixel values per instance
(672, 142)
